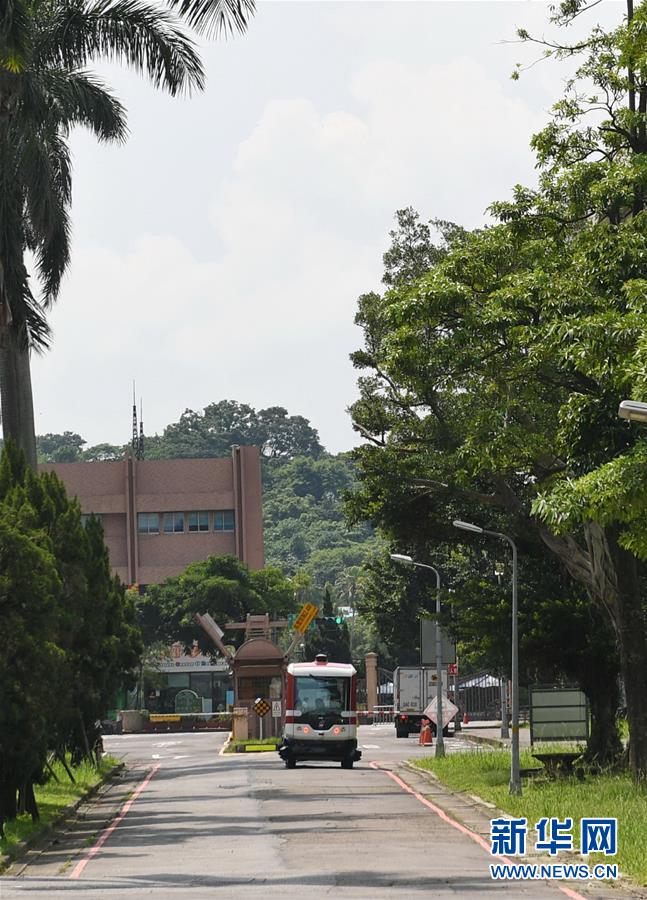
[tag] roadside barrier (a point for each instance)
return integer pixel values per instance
(382, 714)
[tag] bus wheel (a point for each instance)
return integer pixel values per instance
(347, 763)
(290, 763)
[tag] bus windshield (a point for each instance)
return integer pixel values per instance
(321, 696)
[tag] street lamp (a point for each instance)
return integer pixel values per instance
(633, 410)
(515, 777)
(440, 741)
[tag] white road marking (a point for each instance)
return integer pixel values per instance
(167, 743)
(370, 746)
(185, 756)
(158, 756)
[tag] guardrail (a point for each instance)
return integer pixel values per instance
(382, 714)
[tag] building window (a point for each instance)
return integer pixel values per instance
(223, 520)
(173, 523)
(198, 521)
(148, 523)
(85, 518)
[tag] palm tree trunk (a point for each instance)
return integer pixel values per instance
(16, 395)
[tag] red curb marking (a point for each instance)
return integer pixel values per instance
(463, 830)
(105, 834)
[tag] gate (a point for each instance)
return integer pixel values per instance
(479, 695)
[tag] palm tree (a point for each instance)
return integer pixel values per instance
(46, 90)
(218, 16)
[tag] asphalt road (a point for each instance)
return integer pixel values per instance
(198, 824)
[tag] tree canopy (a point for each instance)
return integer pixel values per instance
(494, 378)
(222, 586)
(213, 431)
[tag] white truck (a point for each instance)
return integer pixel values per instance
(414, 687)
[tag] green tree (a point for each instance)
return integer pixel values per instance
(563, 637)
(75, 620)
(31, 662)
(412, 251)
(328, 636)
(213, 431)
(475, 403)
(54, 448)
(510, 356)
(222, 586)
(102, 453)
(304, 520)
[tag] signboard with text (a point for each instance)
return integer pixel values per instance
(428, 644)
(306, 615)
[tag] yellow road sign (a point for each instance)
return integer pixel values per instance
(305, 617)
(261, 707)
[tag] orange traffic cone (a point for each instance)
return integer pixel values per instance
(426, 738)
(466, 719)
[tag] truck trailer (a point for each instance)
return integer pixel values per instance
(414, 687)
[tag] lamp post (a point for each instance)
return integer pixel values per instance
(515, 777)
(440, 741)
(633, 410)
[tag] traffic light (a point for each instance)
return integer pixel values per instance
(339, 619)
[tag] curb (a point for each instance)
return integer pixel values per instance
(481, 739)
(224, 747)
(432, 777)
(18, 850)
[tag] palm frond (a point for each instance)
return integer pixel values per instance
(14, 34)
(133, 32)
(45, 173)
(81, 98)
(218, 17)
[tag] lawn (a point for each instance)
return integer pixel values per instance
(52, 799)
(487, 774)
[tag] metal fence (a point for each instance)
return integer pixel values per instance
(384, 688)
(479, 695)
(382, 714)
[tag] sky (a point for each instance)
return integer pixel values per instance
(219, 253)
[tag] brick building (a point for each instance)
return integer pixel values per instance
(160, 515)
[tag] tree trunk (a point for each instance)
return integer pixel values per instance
(84, 737)
(600, 684)
(610, 574)
(16, 395)
(8, 803)
(32, 806)
(630, 623)
(60, 756)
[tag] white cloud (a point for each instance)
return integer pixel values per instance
(299, 221)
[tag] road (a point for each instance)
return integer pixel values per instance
(199, 824)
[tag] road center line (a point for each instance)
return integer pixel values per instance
(105, 834)
(463, 830)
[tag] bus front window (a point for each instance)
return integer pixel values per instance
(321, 698)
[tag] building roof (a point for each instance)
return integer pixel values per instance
(258, 649)
(330, 669)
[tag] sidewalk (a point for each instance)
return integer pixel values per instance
(490, 732)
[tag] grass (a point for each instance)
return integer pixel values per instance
(53, 798)
(487, 774)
